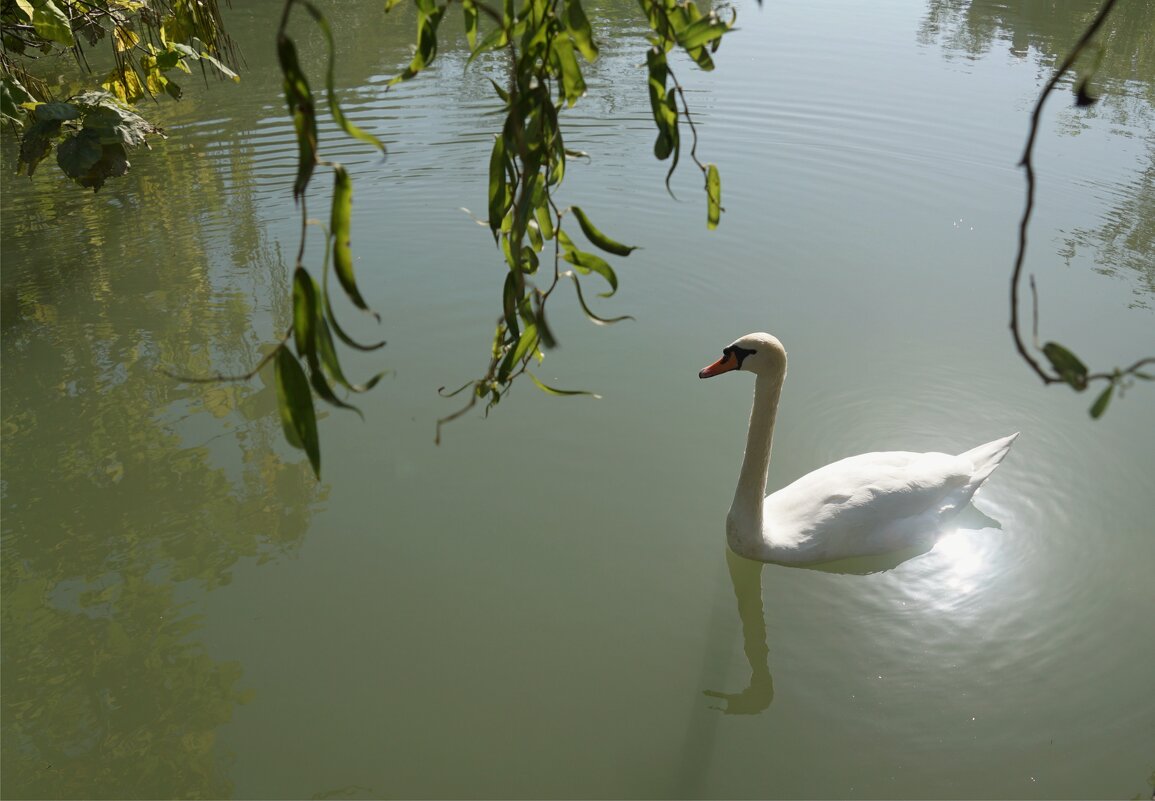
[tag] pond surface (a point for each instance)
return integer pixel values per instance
(542, 606)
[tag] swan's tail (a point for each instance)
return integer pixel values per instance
(986, 458)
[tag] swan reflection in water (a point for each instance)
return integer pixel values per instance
(953, 545)
(746, 580)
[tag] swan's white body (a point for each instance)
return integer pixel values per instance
(863, 505)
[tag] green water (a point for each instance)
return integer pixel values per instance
(542, 606)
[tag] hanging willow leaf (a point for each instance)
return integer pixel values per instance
(299, 99)
(1101, 402)
(500, 195)
(469, 10)
(321, 386)
(427, 21)
(578, 26)
(510, 297)
(702, 32)
(555, 391)
(593, 317)
(328, 354)
(304, 311)
(544, 332)
(1067, 365)
(331, 80)
(598, 238)
(544, 221)
(332, 318)
(295, 402)
(665, 118)
(588, 262)
(713, 196)
(572, 85)
(340, 222)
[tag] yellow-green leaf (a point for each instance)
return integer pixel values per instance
(554, 391)
(51, 23)
(713, 196)
(340, 225)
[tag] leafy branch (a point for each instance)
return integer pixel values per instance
(541, 41)
(305, 360)
(1067, 368)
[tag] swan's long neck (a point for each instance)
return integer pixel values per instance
(745, 520)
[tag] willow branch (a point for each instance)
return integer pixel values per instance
(1028, 166)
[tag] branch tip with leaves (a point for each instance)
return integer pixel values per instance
(1066, 367)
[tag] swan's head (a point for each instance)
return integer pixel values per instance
(761, 354)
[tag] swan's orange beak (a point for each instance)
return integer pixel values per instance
(724, 365)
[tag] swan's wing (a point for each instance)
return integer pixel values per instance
(865, 496)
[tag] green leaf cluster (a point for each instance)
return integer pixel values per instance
(151, 42)
(92, 133)
(545, 43)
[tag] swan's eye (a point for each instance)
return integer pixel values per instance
(738, 353)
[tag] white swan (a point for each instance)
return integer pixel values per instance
(864, 505)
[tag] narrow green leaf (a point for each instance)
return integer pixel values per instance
(340, 223)
(295, 402)
(504, 95)
(13, 96)
(426, 50)
(572, 83)
(578, 26)
(658, 76)
(1144, 376)
(593, 317)
(598, 238)
(1101, 402)
(331, 80)
(469, 10)
(554, 391)
(526, 343)
(510, 296)
(713, 196)
(702, 32)
(589, 262)
(304, 311)
(328, 313)
(328, 358)
(544, 332)
(544, 219)
(299, 99)
(321, 386)
(533, 231)
(221, 68)
(1067, 365)
(500, 196)
(494, 39)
